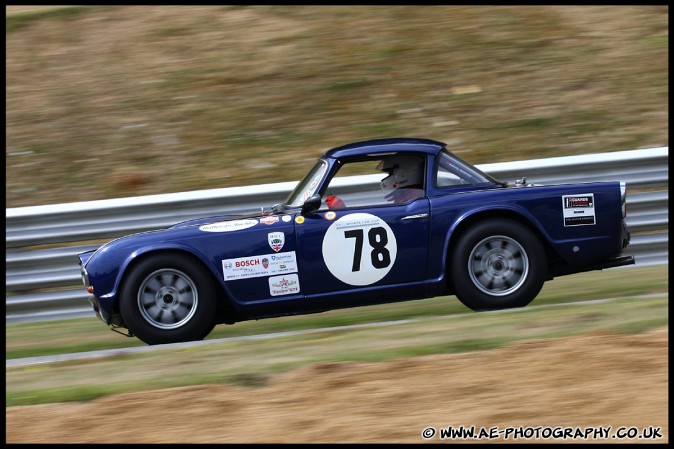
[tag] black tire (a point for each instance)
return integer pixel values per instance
(167, 298)
(498, 264)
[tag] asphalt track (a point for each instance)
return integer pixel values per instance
(89, 355)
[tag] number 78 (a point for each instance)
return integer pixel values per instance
(378, 238)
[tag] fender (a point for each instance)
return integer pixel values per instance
(112, 294)
(485, 211)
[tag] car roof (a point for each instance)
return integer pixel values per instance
(378, 146)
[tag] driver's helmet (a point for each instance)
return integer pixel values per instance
(403, 170)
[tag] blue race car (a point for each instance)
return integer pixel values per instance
(420, 223)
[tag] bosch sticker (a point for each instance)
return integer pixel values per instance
(256, 266)
(228, 226)
(359, 249)
(578, 209)
(284, 285)
(276, 240)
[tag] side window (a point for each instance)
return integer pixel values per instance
(452, 171)
(391, 179)
(448, 177)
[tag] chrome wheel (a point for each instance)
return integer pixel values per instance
(167, 299)
(498, 265)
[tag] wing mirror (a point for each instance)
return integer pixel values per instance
(312, 204)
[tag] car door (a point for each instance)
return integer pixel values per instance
(367, 247)
(364, 249)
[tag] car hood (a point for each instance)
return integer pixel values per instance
(165, 237)
(200, 221)
(218, 219)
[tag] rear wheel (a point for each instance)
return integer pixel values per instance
(498, 264)
(167, 299)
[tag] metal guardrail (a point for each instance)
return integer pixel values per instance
(45, 284)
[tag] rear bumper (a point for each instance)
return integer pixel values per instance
(625, 235)
(612, 263)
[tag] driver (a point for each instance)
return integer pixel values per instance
(405, 180)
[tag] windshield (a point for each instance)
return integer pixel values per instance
(308, 185)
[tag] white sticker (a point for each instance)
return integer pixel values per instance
(228, 226)
(359, 249)
(276, 240)
(284, 285)
(286, 218)
(578, 209)
(256, 266)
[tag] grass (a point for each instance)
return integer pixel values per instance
(107, 102)
(251, 362)
(80, 335)
(434, 326)
(25, 18)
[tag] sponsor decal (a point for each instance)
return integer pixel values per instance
(578, 201)
(257, 266)
(286, 218)
(276, 240)
(299, 219)
(228, 226)
(269, 220)
(284, 285)
(578, 209)
(359, 249)
(330, 215)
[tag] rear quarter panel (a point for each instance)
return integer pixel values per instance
(595, 238)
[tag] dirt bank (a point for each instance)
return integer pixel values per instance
(599, 379)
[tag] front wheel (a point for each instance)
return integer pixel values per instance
(498, 264)
(167, 299)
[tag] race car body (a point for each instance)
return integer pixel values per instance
(422, 223)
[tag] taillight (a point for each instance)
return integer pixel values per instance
(623, 198)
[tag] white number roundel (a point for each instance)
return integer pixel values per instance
(359, 249)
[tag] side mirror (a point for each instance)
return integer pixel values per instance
(312, 204)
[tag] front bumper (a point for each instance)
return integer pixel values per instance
(93, 300)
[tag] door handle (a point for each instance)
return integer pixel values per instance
(415, 217)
